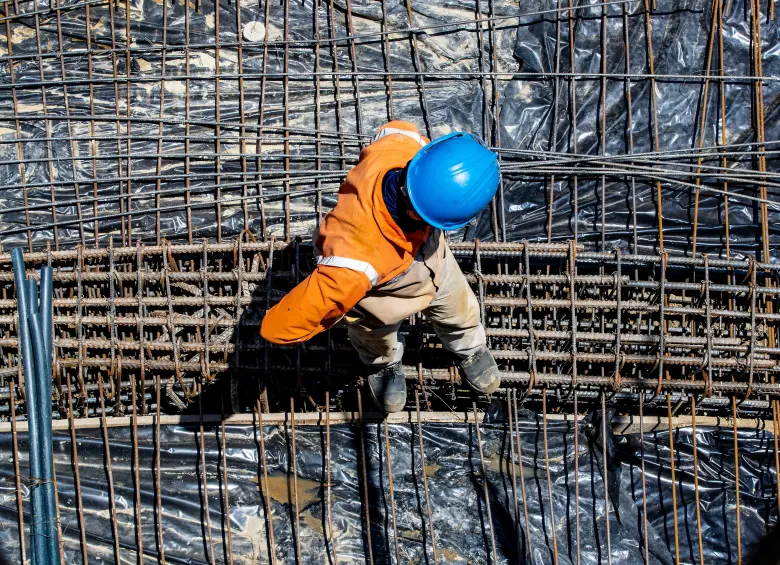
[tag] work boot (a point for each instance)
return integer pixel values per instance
(481, 372)
(388, 388)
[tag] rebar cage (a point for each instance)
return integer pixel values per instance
(558, 317)
(170, 161)
(157, 122)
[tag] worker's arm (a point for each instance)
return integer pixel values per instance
(314, 305)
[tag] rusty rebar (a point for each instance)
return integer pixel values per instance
(328, 486)
(485, 491)
(364, 473)
(17, 477)
(391, 492)
(265, 493)
(428, 508)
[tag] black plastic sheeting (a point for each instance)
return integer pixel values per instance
(680, 34)
(461, 521)
(529, 108)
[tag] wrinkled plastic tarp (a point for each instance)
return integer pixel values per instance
(528, 109)
(462, 523)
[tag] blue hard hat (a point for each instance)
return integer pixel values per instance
(451, 179)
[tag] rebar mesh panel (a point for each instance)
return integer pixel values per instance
(177, 316)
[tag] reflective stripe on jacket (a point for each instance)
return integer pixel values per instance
(358, 244)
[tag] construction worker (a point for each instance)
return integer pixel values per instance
(382, 257)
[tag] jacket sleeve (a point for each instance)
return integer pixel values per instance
(315, 305)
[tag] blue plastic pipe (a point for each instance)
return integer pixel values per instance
(38, 542)
(47, 328)
(31, 288)
(43, 375)
(47, 313)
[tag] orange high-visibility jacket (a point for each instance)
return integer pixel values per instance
(359, 245)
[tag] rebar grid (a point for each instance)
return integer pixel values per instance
(156, 122)
(155, 324)
(176, 121)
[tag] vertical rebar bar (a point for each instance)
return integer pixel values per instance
(355, 76)
(737, 505)
(573, 314)
(499, 200)
(286, 111)
(226, 493)
(76, 473)
(318, 108)
(605, 470)
(528, 537)
(264, 486)
(329, 486)
(161, 113)
(128, 125)
(187, 192)
(217, 118)
(428, 508)
(510, 425)
(576, 415)
(419, 72)
(242, 115)
(334, 53)
(364, 472)
(156, 477)
(109, 470)
(386, 56)
(136, 469)
(204, 484)
(548, 476)
(703, 120)
(72, 141)
(485, 491)
(117, 122)
(50, 169)
(573, 117)
(17, 474)
(554, 118)
(629, 125)
(673, 479)
(389, 465)
(260, 120)
(645, 529)
(775, 434)
(603, 122)
(653, 118)
(296, 527)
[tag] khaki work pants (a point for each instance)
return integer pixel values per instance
(433, 285)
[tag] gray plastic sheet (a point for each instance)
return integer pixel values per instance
(462, 526)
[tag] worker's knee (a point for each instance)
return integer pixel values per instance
(455, 306)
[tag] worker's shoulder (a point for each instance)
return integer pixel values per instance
(398, 130)
(399, 124)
